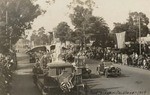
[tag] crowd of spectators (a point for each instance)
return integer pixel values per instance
(131, 59)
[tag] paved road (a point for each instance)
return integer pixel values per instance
(22, 80)
(133, 81)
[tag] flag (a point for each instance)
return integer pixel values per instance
(120, 39)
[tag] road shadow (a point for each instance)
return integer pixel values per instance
(92, 89)
(95, 76)
(123, 75)
(22, 84)
(21, 58)
(103, 91)
(25, 66)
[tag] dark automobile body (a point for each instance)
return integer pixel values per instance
(108, 69)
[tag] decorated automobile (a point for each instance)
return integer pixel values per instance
(108, 69)
(35, 51)
(58, 78)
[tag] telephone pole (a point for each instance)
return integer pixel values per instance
(139, 35)
(10, 30)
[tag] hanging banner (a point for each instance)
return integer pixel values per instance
(120, 40)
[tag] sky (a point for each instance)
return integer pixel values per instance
(111, 10)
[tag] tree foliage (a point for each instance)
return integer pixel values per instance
(16, 16)
(87, 3)
(39, 37)
(80, 16)
(99, 30)
(88, 26)
(63, 31)
(132, 26)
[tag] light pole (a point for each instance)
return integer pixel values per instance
(139, 24)
(84, 38)
(139, 35)
(10, 29)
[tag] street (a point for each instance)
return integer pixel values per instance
(133, 81)
(22, 80)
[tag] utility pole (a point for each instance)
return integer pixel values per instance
(84, 39)
(10, 43)
(139, 35)
(6, 14)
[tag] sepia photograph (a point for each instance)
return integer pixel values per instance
(74, 47)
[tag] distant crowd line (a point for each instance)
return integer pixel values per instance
(132, 59)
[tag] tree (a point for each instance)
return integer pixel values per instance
(77, 36)
(63, 31)
(80, 16)
(40, 37)
(89, 26)
(79, 20)
(133, 22)
(33, 36)
(43, 38)
(132, 26)
(87, 3)
(17, 16)
(98, 29)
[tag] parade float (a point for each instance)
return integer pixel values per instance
(58, 76)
